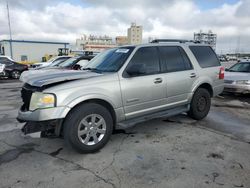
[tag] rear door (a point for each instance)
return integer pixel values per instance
(210, 66)
(179, 74)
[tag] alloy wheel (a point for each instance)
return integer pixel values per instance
(91, 129)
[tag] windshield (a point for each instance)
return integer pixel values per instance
(240, 67)
(68, 62)
(57, 62)
(52, 59)
(110, 60)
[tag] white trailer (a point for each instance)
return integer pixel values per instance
(30, 51)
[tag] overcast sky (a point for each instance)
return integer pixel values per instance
(61, 20)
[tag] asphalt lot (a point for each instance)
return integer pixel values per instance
(175, 152)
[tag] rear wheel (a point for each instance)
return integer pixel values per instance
(200, 104)
(15, 74)
(88, 127)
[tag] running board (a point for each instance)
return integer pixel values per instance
(162, 114)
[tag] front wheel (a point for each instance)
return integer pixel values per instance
(200, 104)
(88, 127)
(15, 74)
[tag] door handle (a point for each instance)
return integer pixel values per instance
(192, 75)
(158, 80)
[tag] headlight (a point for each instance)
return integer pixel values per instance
(246, 82)
(42, 100)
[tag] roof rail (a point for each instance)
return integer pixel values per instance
(173, 40)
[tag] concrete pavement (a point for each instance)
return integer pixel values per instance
(175, 152)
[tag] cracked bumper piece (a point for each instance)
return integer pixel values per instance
(43, 114)
(34, 126)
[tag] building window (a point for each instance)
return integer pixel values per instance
(2, 52)
(24, 57)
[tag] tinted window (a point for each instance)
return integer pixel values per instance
(174, 58)
(147, 59)
(205, 56)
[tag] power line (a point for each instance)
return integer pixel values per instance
(8, 13)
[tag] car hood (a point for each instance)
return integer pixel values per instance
(40, 78)
(237, 76)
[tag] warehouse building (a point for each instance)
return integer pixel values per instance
(30, 51)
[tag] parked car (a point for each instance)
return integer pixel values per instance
(222, 58)
(53, 60)
(119, 88)
(12, 69)
(244, 59)
(237, 78)
(75, 63)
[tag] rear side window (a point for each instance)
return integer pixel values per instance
(174, 59)
(205, 56)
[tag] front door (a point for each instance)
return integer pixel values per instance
(143, 93)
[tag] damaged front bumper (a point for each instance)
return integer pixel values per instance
(43, 119)
(43, 114)
(43, 126)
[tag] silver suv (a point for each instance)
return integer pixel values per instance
(119, 88)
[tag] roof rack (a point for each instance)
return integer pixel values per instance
(173, 40)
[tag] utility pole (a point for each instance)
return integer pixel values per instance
(11, 51)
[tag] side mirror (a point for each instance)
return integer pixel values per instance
(226, 69)
(136, 70)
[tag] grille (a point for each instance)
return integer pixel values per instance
(26, 94)
(228, 81)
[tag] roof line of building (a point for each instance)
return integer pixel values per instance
(32, 41)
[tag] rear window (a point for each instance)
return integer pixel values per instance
(205, 56)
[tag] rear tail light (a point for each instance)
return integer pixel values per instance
(221, 74)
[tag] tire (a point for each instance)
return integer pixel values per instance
(200, 104)
(92, 138)
(15, 74)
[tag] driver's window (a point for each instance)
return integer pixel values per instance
(146, 58)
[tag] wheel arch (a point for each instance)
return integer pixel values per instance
(206, 86)
(99, 101)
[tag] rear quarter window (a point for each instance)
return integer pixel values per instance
(205, 56)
